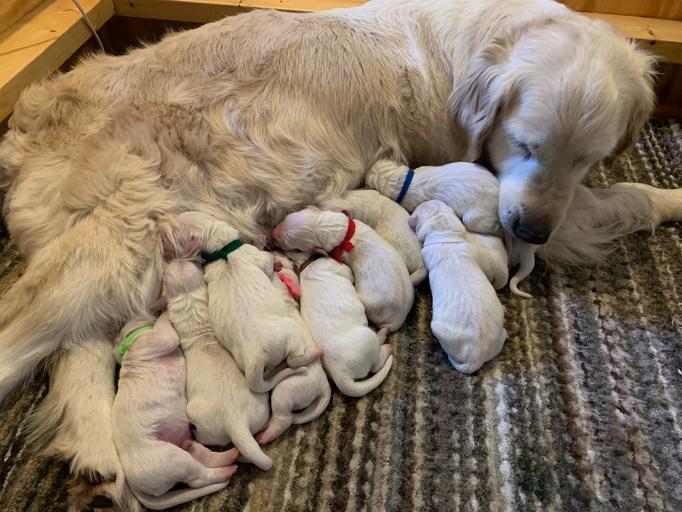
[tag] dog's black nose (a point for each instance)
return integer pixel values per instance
(530, 234)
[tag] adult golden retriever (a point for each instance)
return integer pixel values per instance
(260, 114)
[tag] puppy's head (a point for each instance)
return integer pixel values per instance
(196, 231)
(181, 276)
(386, 177)
(546, 102)
(311, 229)
(434, 216)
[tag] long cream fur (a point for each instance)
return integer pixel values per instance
(257, 115)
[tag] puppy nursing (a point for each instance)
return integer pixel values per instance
(249, 316)
(219, 402)
(389, 220)
(381, 278)
(302, 397)
(336, 318)
(469, 189)
(464, 270)
(150, 425)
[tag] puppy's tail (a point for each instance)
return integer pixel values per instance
(316, 408)
(259, 383)
(353, 388)
(249, 448)
(173, 498)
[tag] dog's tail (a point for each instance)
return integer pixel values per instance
(174, 498)
(358, 388)
(249, 448)
(316, 408)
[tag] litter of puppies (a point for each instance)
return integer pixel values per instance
(250, 338)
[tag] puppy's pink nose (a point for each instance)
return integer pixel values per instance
(277, 232)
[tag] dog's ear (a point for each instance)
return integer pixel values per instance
(642, 99)
(475, 102)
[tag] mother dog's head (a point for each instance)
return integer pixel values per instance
(544, 104)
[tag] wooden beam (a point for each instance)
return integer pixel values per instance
(202, 11)
(662, 37)
(41, 42)
(12, 11)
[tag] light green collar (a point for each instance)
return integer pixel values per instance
(125, 344)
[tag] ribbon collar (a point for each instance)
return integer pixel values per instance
(345, 245)
(406, 186)
(222, 253)
(443, 238)
(292, 287)
(125, 344)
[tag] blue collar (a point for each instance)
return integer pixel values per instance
(406, 186)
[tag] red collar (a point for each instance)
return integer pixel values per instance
(345, 245)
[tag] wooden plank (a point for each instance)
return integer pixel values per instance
(662, 37)
(202, 11)
(42, 42)
(664, 9)
(12, 11)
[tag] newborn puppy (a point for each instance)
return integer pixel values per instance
(248, 314)
(469, 189)
(220, 404)
(337, 321)
(389, 220)
(150, 425)
(468, 319)
(381, 278)
(302, 397)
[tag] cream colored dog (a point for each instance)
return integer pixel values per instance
(151, 428)
(389, 220)
(381, 277)
(302, 397)
(468, 319)
(237, 119)
(220, 404)
(336, 318)
(248, 314)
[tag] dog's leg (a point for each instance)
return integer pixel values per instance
(74, 421)
(209, 458)
(597, 217)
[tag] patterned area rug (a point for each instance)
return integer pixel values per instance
(581, 411)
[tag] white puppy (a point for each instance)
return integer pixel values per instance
(150, 425)
(336, 318)
(389, 220)
(468, 319)
(248, 314)
(302, 397)
(381, 277)
(469, 189)
(220, 404)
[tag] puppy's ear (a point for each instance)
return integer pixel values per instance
(321, 251)
(475, 102)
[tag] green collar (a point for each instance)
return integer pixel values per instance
(125, 344)
(221, 254)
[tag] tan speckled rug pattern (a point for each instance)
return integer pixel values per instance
(581, 411)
